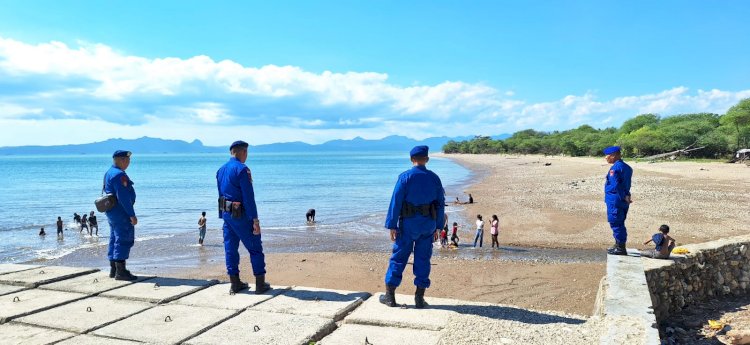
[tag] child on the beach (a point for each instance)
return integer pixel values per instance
(454, 236)
(664, 244)
(444, 237)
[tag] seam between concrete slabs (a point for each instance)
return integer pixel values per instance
(11, 318)
(42, 287)
(205, 329)
(51, 280)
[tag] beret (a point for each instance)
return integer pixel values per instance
(419, 151)
(610, 150)
(121, 153)
(238, 143)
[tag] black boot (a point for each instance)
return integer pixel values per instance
(112, 269)
(619, 249)
(260, 284)
(121, 272)
(419, 299)
(389, 298)
(237, 284)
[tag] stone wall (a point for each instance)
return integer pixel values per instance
(711, 270)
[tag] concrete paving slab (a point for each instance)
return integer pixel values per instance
(43, 275)
(332, 304)
(435, 317)
(26, 302)
(357, 334)
(86, 339)
(93, 283)
(159, 289)
(261, 328)
(166, 324)
(6, 289)
(218, 296)
(12, 334)
(10, 268)
(85, 315)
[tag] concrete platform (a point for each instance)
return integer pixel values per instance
(160, 289)
(6, 289)
(86, 339)
(435, 318)
(357, 334)
(23, 303)
(13, 334)
(257, 327)
(627, 301)
(85, 315)
(93, 283)
(167, 324)
(43, 275)
(217, 296)
(10, 268)
(332, 304)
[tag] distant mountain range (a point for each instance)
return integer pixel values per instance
(156, 145)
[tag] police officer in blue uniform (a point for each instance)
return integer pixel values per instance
(414, 218)
(121, 217)
(617, 198)
(237, 208)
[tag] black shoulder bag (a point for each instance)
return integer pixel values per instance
(105, 202)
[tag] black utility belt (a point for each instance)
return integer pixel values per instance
(234, 207)
(428, 210)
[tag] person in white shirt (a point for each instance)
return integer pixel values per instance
(480, 231)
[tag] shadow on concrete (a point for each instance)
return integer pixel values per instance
(167, 282)
(508, 313)
(329, 296)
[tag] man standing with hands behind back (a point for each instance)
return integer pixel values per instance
(414, 218)
(237, 208)
(122, 219)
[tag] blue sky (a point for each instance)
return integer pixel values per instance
(80, 71)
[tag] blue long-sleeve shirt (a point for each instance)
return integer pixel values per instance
(617, 185)
(417, 186)
(235, 183)
(118, 183)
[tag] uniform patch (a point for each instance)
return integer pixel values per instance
(611, 172)
(249, 176)
(124, 180)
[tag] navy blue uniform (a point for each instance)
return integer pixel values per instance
(417, 186)
(121, 230)
(235, 184)
(616, 191)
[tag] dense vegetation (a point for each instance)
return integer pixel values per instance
(643, 135)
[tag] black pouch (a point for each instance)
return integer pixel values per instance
(237, 210)
(221, 206)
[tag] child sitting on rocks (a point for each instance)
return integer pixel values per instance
(664, 244)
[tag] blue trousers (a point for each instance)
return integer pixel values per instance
(616, 217)
(121, 239)
(236, 231)
(480, 237)
(402, 249)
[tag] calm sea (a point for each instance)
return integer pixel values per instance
(172, 190)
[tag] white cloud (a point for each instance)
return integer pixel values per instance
(95, 86)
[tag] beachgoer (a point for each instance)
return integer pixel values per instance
(414, 219)
(617, 198)
(471, 199)
(85, 224)
(121, 217)
(59, 227)
(494, 227)
(310, 215)
(202, 228)
(41, 232)
(664, 244)
(241, 224)
(444, 237)
(454, 236)
(480, 231)
(77, 218)
(93, 223)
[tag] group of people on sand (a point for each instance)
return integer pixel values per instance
(478, 238)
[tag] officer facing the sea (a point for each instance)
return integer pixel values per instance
(121, 217)
(241, 224)
(414, 218)
(617, 198)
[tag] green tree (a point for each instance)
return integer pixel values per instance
(639, 122)
(738, 117)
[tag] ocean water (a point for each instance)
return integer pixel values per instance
(350, 192)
